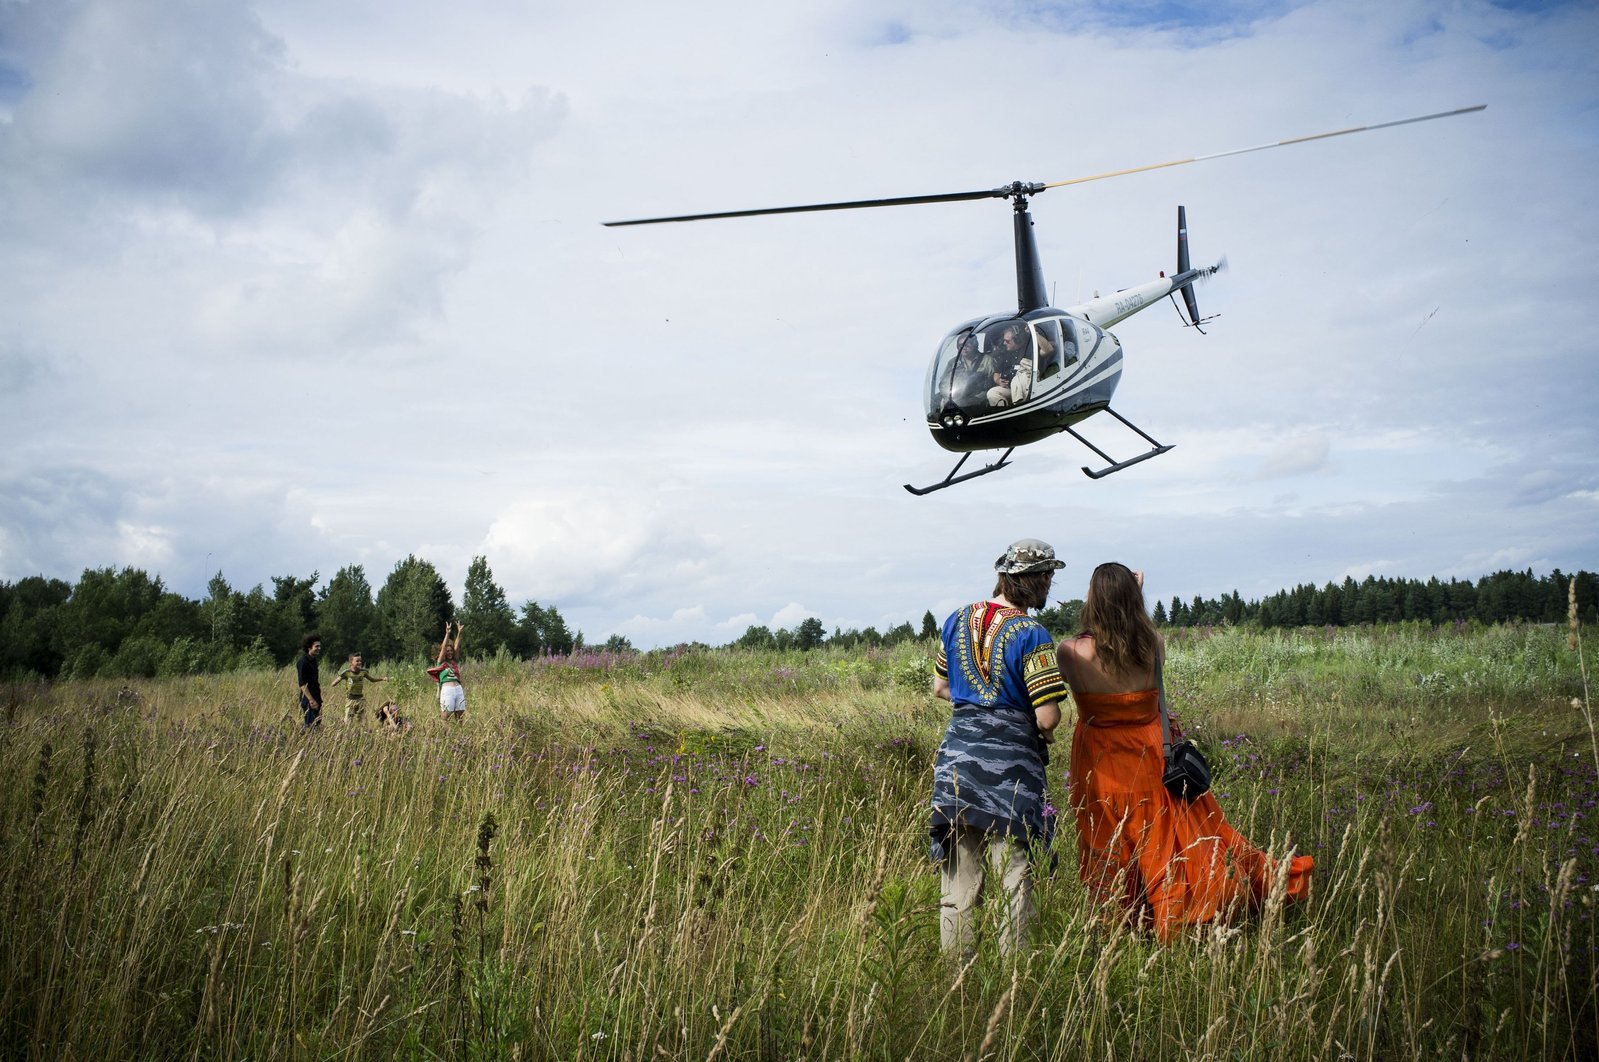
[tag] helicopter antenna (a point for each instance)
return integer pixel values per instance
(1263, 147)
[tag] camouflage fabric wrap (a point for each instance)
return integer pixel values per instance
(989, 773)
(1028, 555)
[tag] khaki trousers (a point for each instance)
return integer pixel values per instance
(972, 853)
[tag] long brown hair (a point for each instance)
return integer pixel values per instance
(1124, 638)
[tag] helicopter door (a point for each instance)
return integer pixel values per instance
(1048, 346)
(1075, 337)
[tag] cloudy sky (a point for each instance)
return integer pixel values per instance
(289, 285)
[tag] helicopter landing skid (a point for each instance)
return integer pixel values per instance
(952, 479)
(1155, 449)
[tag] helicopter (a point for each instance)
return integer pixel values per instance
(1012, 378)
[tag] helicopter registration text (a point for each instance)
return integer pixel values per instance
(1129, 304)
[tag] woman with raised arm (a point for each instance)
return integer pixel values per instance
(447, 673)
(990, 806)
(1167, 862)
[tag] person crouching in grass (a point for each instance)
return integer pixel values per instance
(389, 718)
(357, 676)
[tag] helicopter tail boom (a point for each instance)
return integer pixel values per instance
(1106, 310)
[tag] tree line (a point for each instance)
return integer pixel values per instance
(126, 623)
(1502, 597)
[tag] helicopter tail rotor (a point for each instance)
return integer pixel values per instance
(1186, 274)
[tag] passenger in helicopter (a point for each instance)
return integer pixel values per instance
(1015, 348)
(999, 394)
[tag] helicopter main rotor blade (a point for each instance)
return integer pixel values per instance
(1263, 147)
(1024, 190)
(905, 200)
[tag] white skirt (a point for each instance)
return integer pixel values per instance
(452, 697)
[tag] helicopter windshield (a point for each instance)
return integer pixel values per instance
(963, 374)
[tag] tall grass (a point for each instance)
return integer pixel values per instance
(722, 854)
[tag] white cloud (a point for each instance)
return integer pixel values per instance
(1296, 457)
(790, 615)
(562, 545)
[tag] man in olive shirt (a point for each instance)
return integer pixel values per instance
(310, 683)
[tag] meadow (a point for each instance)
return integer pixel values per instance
(722, 854)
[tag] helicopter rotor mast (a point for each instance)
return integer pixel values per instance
(1030, 291)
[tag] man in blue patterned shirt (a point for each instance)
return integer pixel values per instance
(996, 666)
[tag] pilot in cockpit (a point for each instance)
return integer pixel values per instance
(975, 374)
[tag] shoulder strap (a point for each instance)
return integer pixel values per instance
(1165, 715)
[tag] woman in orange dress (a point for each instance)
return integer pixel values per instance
(1167, 862)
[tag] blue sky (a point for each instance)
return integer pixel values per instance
(293, 286)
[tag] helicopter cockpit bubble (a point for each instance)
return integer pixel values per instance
(963, 374)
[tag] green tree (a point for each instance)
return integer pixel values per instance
(903, 633)
(174, 616)
(291, 615)
(485, 611)
(219, 611)
(809, 634)
(1232, 608)
(929, 625)
(30, 612)
(1063, 618)
(412, 608)
(346, 615)
(104, 606)
(756, 637)
(543, 631)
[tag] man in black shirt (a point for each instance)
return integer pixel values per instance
(310, 684)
